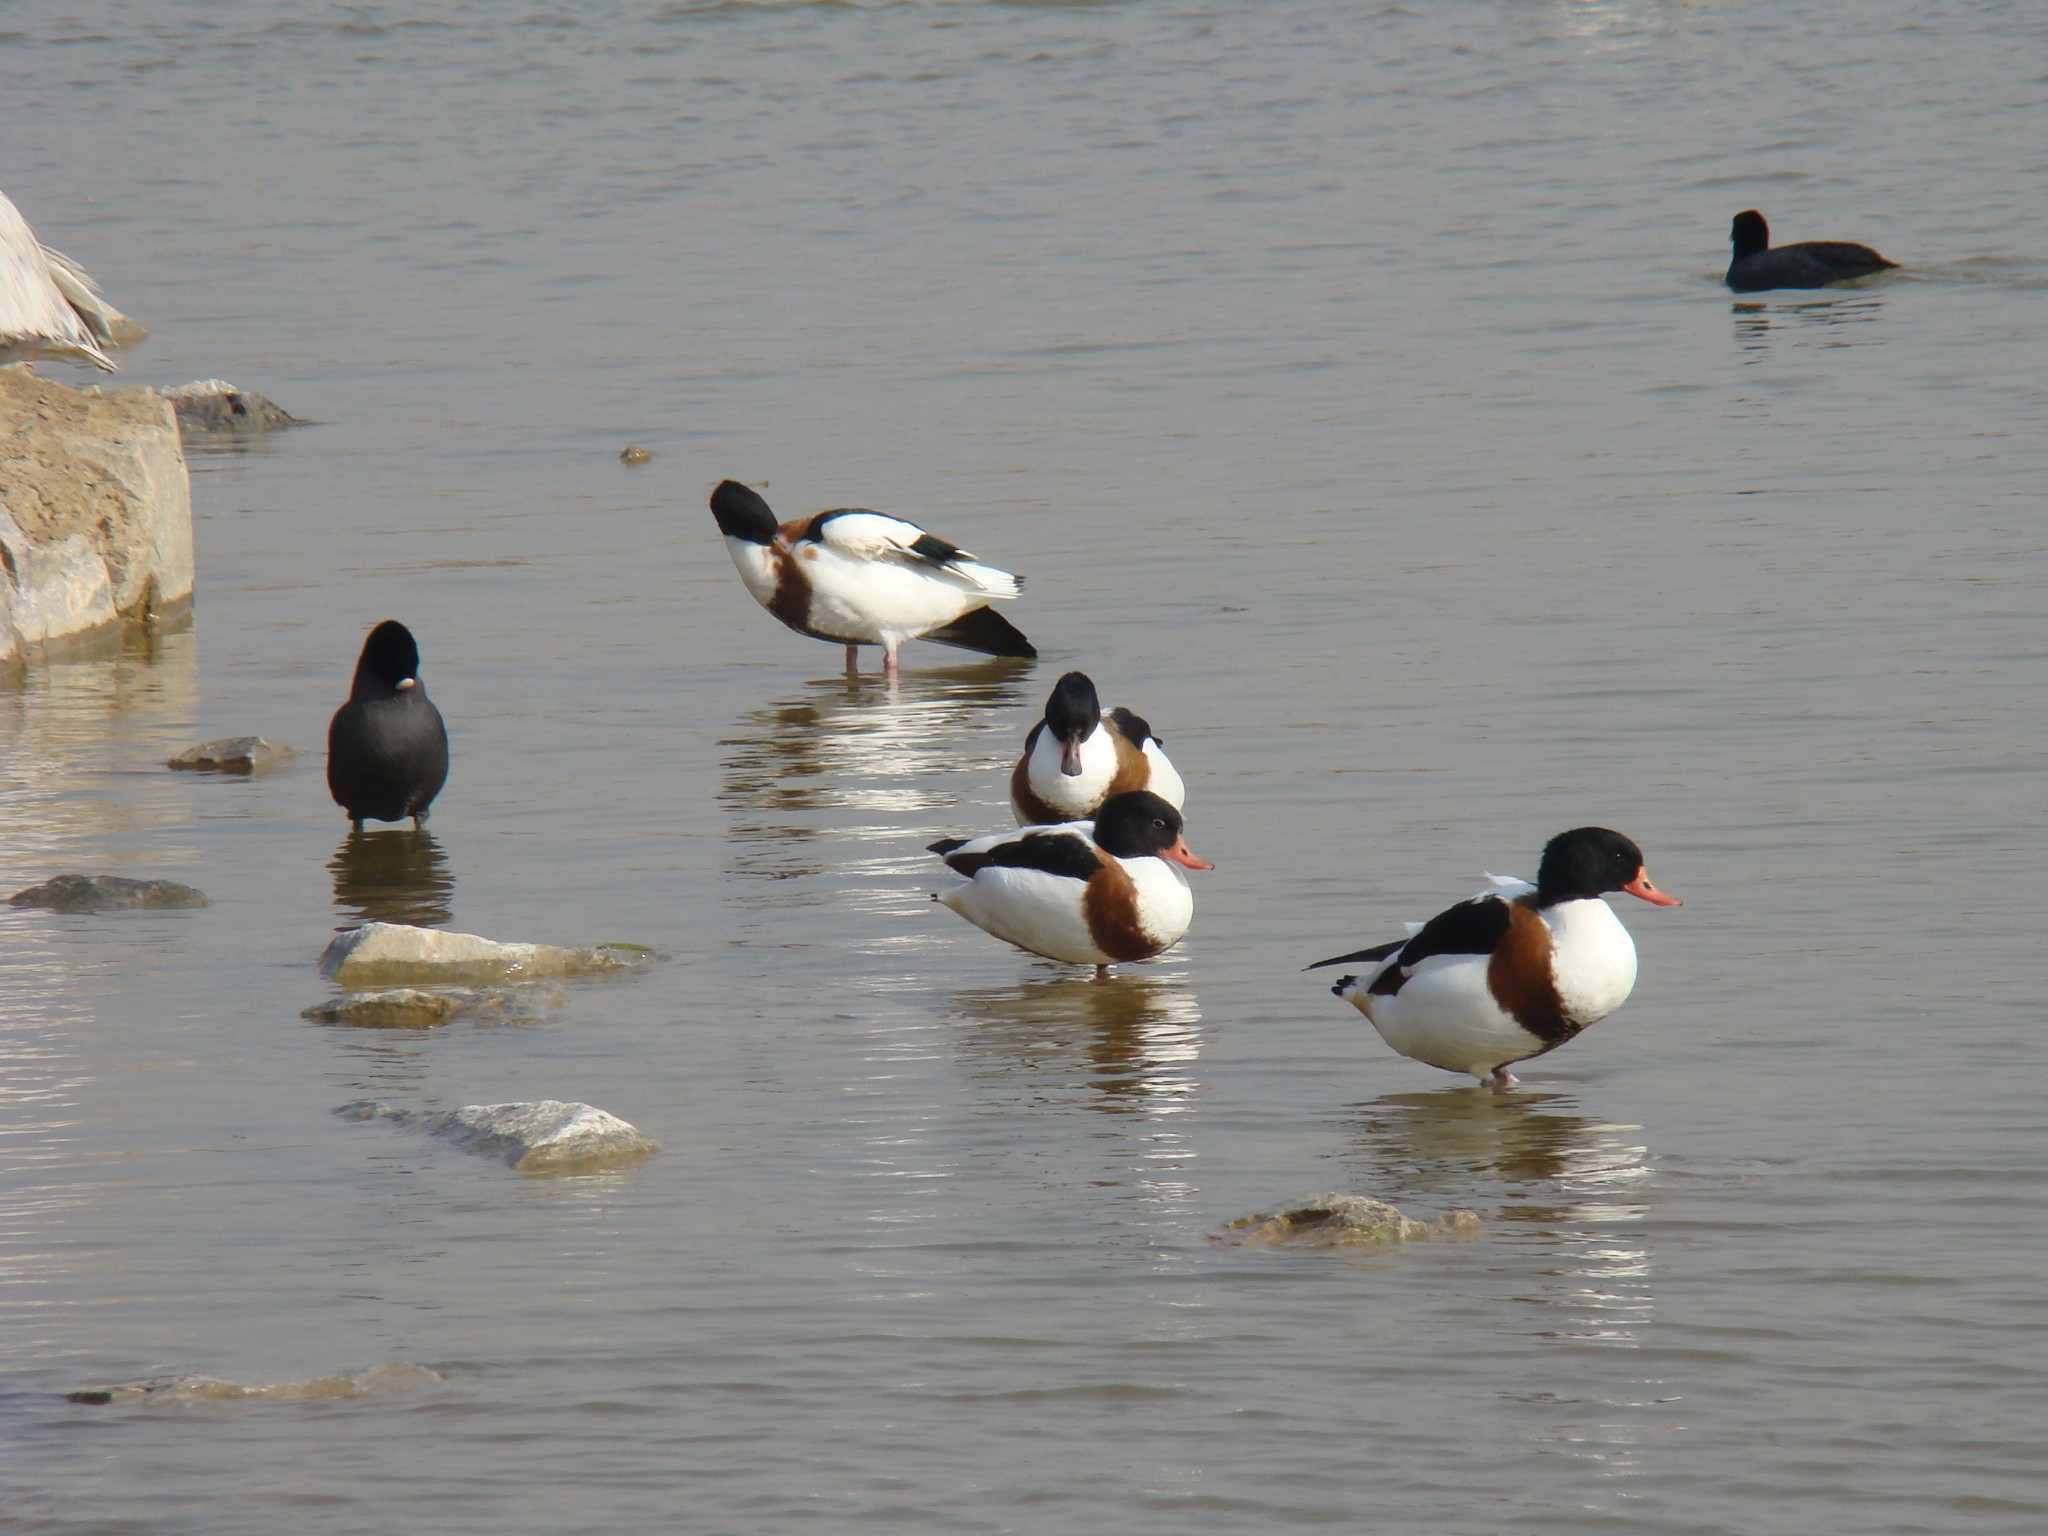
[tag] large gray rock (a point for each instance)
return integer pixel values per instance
(399, 955)
(233, 754)
(95, 513)
(1331, 1220)
(550, 1136)
(214, 407)
(108, 893)
(211, 1389)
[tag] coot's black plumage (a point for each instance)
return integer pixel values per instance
(1757, 267)
(387, 750)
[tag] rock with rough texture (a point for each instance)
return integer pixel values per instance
(95, 512)
(633, 453)
(211, 1389)
(398, 955)
(398, 1008)
(1332, 1220)
(418, 1008)
(551, 1136)
(108, 893)
(233, 754)
(214, 407)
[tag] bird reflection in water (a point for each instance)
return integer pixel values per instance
(392, 877)
(1832, 322)
(853, 760)
(1123, 1045)
(1573, 1185)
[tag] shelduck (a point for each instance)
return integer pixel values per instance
(865, 578)
(1090, 893)
(1515, 971)
(1758, 267)
(1080, 754)
(387, 747)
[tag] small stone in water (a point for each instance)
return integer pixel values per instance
(635, 454)
(1331, 1220)
(399, 954)
(232, 754)
(550, 1136)
(211, 1389)
(108, 893)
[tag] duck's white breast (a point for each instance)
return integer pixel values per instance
(1081, 795)
(1593, 959)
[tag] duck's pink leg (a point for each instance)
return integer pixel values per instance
(1502, 1080)
(889, 662)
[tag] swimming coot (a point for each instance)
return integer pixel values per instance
(1809, 264)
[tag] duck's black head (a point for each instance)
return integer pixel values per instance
(742, 514)
(1750, 235)
(1589, 861)
(390, 662)
(1072, 712)
(1138, 824)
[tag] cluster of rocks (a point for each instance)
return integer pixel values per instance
(96, 503)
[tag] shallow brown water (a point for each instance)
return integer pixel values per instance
(1353, 387)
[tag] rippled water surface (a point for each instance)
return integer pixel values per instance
(1354, 387)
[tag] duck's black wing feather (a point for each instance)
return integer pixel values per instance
(984, 630)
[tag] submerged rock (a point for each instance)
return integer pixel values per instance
(211, 1389)
(397, 954)
(232, 754)
(1332, 1220)
(633, 453)
(418, 1008)
(550, 1136)
(210, 406)
(95, 512)
(108, 893)
(400, 1008)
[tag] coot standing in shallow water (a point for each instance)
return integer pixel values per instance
(1809, 264)
(387, 750)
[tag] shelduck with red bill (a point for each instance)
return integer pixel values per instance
(1090, 893)
(864, 578)
(1515, 971)
(1080, 754)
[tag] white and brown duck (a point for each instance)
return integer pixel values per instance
(1080, 754)
(1515, 971)
(864, 578)
(1090, 893)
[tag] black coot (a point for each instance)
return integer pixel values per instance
(387, 750)
(1809, 264)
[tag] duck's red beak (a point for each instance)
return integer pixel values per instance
(1183, 855)
(1640, 886)
(1070, 759)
